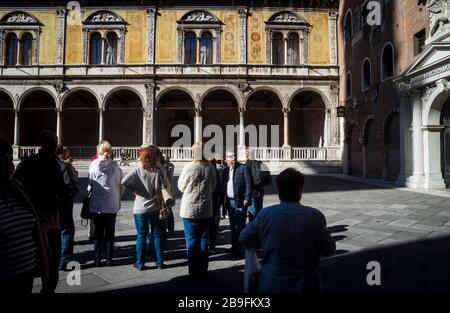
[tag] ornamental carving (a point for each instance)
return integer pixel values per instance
(19, 17)
(104, 17)
(199, 16)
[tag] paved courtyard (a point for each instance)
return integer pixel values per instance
(408, 233)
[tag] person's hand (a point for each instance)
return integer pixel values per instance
(246, 203)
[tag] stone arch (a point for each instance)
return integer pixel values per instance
(80, 121)
(326, 100)
(7, 116)
(37, 113)
(309, 119)
(174, 88)
(31, 90)
(174, 111)
(119, 88)
(74, 90)
(13, 99)
(434, 103)
(267, 88)
(269, 126)
(234, 92)
(123, 110)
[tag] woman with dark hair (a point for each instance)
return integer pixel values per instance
(146, 182)
(23, 252)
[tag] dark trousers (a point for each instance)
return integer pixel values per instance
(54, 241)
(255, 207)
(238, 217)
(18, 284)
(170, 222)
(67, 234)
(105, 225)
(196, 233)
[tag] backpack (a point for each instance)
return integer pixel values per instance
(260, 174)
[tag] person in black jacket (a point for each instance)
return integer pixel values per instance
(42, 177)
(237, 187)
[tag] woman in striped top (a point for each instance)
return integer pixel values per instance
(22, 249)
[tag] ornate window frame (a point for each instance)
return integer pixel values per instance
(20, 22)
(199, 22)
(287, 22)
(104, 22)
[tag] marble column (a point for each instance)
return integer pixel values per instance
(100, 125)
(58, 125)
(16, 127)
(417, 178)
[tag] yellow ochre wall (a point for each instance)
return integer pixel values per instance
(166, 43)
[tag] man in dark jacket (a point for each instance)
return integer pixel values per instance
(237, 187)
(43, 180)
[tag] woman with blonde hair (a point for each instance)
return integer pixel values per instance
(197, 182)
(145, 181)
(105, 176)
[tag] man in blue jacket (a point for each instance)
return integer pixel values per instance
(237, 187)
(293, 237)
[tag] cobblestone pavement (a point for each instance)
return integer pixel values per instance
(408, 233)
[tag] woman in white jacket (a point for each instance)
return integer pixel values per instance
(105, 176)
(197, 182)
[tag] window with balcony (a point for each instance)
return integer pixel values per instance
(104, 38)
(287, 39)
(199, 38)
(19, 39)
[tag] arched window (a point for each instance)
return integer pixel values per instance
(293, 49)
(111, 48)
(366, 75)
(11, 49)
(26, 49)
(277, 49)
(95, 49)
(190, 48)
(348, 26)
(348, 86)
(387, 65)
(206, 48)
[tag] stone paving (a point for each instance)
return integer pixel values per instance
(407, 232)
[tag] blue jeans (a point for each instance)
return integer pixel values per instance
(67, 235)
(238, 217)
(105, 227)
(196, 233)
(142, 222)
(255, 207)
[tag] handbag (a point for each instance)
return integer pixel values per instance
(85, 210)
(168, 199)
